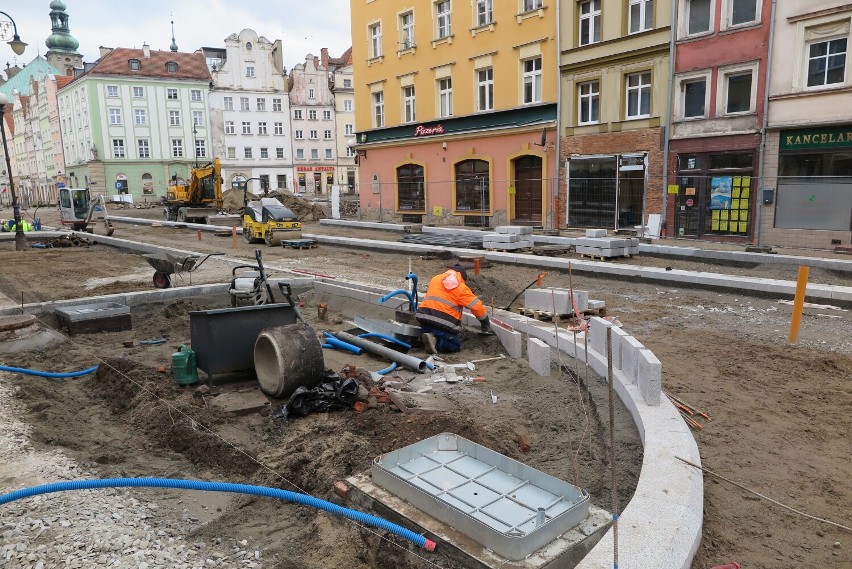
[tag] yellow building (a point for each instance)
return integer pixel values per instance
(456, 110)
(615, 86)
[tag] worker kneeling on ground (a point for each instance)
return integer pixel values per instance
(440, 312)
(9, 226)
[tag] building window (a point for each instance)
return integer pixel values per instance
(197, 118)
(232, 152)
(443, 19)
(172, 94)
(229, 103)
(143, 147)
(147, 184)
(347, 83)
(247, 152)
(590, 22)
(314, 135)
(314, 153)
(349, 129)
(588, 95)
(229, 127)
(300, 153)
(641, 15)
(350, 152)
(171, 67)
(118, 148)
(411, 185)
(276, 105)
(473, 189)
(326, 134)
(532, 80)
(376, 40)
(112, 90)
(347, 106)
(201, 148)
(177, 148)
(264, 153)
(297, 114)
(138, 92)
(638, 95)
(530, 5)
(326, 115)
(694, 98)
(408, 104)
(484, 12)
(261, 105)
(174, 118)
(282, 179)
(115, 116)
(311, 94)
(738, 99)
(195, 95)
(246, 127)
(140, 117)
(279, 128)
(249, 71)
(312, 115)
(135, 65)
(279, 154)
(485, 89)
(445, 97)
(261, 128)
(698, 16)
(743, 12)
(827, 62)
(379, 109)
(300, 135)
(406, 26)
(328, 154)
(244, 104)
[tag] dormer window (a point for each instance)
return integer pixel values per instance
(135, 65)
(248, 45)
(171, 67)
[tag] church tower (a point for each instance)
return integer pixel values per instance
(62, 46)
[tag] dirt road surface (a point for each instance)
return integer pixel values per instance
(780, 413)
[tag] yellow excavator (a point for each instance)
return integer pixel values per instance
(195, 200)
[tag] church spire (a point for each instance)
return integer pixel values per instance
(61, 38)
(174, 46)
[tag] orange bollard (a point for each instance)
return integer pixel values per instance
(233, 237)
(798, 304)
(476, 266)
(199, 235)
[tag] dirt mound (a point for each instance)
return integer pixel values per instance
(304, 209)
(232, 200)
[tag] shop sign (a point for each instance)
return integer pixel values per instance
(314, 168)
(428, 130)
(816, 138)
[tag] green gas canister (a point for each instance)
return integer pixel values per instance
(184, 366)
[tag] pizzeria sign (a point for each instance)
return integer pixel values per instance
(421, 130)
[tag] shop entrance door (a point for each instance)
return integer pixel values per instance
(528, 188)
(688, 208)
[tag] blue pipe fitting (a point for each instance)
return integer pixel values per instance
(341, 345)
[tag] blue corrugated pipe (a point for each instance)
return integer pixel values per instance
(48, 373)
(341, 345)
(388, 369)
(398, 292)
(390, 339)
(413, 278)
(287, 496)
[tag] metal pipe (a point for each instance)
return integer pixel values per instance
(762, 155)
(668, 122)
(410, 362)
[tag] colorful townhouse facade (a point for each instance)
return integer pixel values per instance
(456, 111)
(343, 90)
(806, 194)
(614, 73)
(134, 121)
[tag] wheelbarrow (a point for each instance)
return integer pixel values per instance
(166, 265)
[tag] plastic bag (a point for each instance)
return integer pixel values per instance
(333, 394)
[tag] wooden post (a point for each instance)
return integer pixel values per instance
(233, 237)
(476, 266)
(798, 304)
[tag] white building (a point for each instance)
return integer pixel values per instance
(250, 112)
(343, 88)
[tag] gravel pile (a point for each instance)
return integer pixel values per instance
(91, 528)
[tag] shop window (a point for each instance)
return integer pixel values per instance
(411, 185)
(302, 183)
(473, 187)
(815, 191)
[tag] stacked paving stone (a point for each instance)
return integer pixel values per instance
(557, 300)
(597, 244)
(508, 238)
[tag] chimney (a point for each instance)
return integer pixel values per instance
(324, 54)
(316, 62)
(146, 50)
(105, 51)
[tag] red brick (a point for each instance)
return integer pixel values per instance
(341, 489)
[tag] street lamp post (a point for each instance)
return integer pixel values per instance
(20, 238)
(195, 143)
(16, 44)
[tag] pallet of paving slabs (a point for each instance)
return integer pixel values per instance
(544, 315)
(299, 244)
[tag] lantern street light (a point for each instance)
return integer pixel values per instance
(195, 143)
(16, 44)
(20, 238)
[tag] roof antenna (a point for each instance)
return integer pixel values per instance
(174, 46)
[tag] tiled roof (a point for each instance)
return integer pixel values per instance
(345, 59)
(63, 80)
(38, 67)
(190, 65)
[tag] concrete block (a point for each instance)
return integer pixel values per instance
(507, 246)
(630, 348)
(492, 237)
(596, 233)
(538, 353)
(595, 304)
(601, 252)
(518, 229)
(618, 335)
(597, 335)
(512, 341)
(556, 300)
(649, 377)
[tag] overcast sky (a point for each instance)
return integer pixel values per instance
(303, 26)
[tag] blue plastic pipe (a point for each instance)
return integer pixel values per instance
(390, 339)
(48, 373)
(388, 369)
(341, 345)
(413, 278)
(287, 496)
(399, 292)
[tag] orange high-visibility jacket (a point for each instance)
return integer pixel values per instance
(445, 299)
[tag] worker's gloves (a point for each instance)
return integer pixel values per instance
(485, 324)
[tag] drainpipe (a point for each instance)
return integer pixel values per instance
(668, 122)
(762, 169)
(555, 199)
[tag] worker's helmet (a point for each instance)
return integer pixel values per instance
(459, 268)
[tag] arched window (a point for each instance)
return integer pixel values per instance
(147, 184)
(411, 187)
(473, 186)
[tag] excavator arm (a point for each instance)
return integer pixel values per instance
(93, 205)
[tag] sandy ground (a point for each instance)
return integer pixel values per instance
(780, 413)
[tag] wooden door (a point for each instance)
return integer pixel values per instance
(528, 188)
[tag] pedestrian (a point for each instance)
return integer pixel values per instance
(440, 311)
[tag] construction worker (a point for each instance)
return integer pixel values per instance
(9, 226)
(440, 311)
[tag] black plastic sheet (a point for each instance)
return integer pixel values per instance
(333, 394)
